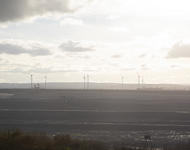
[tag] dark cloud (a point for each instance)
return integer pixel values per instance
(14, 10)
(179, 50)
(71, 46)
(39, 52)
(7, 48)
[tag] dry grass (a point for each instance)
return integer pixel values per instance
(17, 140)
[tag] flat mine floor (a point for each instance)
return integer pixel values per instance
(109, 115)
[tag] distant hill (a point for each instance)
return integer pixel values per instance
(94, 85)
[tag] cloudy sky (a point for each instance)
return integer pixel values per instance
(106, 39)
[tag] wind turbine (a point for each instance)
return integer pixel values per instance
(142, 81)
(138, 78)
(88, 81)
(122, 82)
(84, 78)
(45, 78)
(31, 81)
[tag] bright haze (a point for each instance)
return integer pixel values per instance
(107, 39)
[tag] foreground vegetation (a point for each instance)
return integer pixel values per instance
(17, 140)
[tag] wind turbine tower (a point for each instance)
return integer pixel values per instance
(142, 81)
(84, 78)
(45, 81)
(139, 80)
(88, 81)
(31, 81)
(122, 82)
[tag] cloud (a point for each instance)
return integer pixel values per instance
(174, 66)
(71, 46)
(13, 49)
(116, 56)
(144, 67)
(15, 10)
(129, 69)
(71, 22)
(179, 50)
(118, 29)
(142, 55)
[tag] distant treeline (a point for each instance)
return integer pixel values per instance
(16, 140)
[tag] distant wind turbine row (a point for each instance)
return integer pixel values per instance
(86, 79)
(86, 82)
(140, 80)
(37, 85)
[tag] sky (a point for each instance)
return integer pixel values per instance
(106, 39)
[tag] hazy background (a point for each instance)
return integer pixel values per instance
(107, 39)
